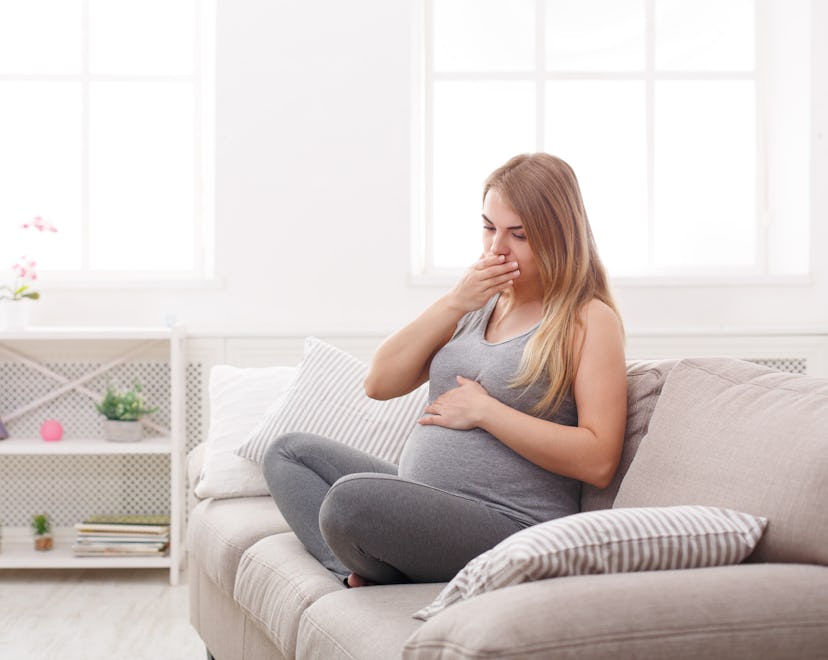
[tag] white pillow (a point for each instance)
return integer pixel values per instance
(607, 541)
(328, 398)
(239, 399)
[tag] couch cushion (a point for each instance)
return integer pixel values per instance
(276, 582)
(239, 398)
(328, 398)
(607, 541)
(644, 383)
(369, 624)
(194, 463)
(768, 611)
(219, 531)
(737, 435)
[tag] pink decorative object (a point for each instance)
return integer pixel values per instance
(51, 430)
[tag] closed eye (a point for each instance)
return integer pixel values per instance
(520, 237)
(489, 226)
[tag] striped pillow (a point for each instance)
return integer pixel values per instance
(607, 541)
(327, 398)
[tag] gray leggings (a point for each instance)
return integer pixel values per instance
(354, 514)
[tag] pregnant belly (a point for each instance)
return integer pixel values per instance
(468, 462)
(475, 464)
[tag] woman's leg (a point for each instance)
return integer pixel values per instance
(299, 469)
(390, 530)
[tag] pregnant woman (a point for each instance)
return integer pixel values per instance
(527, 392)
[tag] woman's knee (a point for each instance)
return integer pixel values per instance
(280, 457)
(288, 446)
(350, 505)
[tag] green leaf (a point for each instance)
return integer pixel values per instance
(41, 523)
(125, 406)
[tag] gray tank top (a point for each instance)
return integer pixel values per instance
(473, 462)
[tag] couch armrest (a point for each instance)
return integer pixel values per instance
(195, 461)
(772, 611)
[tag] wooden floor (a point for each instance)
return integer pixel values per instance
(95, 615)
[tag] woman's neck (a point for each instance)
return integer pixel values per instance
(526, 293)
(512, 316)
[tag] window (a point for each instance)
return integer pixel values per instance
(686, 122)
(105, 116)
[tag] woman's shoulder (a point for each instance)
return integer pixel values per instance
(598, 319)
(597, 311)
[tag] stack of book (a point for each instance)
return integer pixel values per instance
(122, 536)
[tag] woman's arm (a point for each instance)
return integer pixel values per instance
(402, 362)
(588, 452)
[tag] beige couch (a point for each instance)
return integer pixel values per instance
(723, 432)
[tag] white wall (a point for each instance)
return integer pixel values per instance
(313, 194)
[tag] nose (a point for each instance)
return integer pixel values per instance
(499, 245)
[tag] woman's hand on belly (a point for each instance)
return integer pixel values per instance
(460, 408)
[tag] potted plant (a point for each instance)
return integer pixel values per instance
(123, 410)
(15, 298)
(42, 532)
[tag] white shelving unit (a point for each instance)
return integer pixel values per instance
(17, 549)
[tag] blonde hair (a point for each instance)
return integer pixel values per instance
(543, 191)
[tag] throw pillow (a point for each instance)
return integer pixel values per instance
(734, 434)
(238, 400)
(328, 398)
(607, 541)
(644, 383)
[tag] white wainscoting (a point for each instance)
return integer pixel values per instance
(774, 349)
(259, 350)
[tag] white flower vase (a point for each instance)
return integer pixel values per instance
(14, 314)
(120, 431)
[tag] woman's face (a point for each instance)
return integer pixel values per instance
(503, 235)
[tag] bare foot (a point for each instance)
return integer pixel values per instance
(355, 580)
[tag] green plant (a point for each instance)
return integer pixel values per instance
(124, 406)
(25, 268)
(41, 524)
(19, 293)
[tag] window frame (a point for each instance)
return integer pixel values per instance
(203, 81)
(423, 270)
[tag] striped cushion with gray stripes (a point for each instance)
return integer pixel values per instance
(607, 541)
(327, 398)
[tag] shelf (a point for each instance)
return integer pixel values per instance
(18, 552)
(82, 446)
(86, 332)
(18, 347)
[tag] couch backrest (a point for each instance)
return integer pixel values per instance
(734, 434)
(644, 383)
